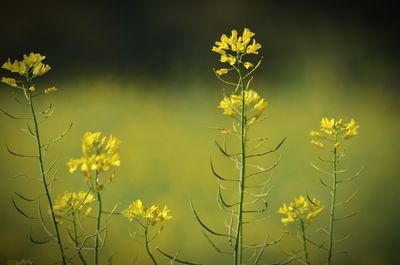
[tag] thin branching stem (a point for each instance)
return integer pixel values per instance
(76, 242)
(303, 232)
(239, 226)
(148, 246)
(43, 175)
(98, 221)
(333, 202)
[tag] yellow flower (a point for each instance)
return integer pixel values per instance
(16, 67)
(222, 71)
(41, 69)
(247, 35)
(254, 105)
(31, 63)
(228, 58)
(227, 106)
(327, 125)
(300, 209)
(351, 129)
(261, 105)
(235, 46)
(50, 90)
(253, 48)
(317, 144)
(9, 81)
(218, 50)
(151, 215)
(70, 202)
(315, 133)
(247, 65)
(98, 154)
(333, 130)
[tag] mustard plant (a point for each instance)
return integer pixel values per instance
(27, 71)
(100, 155)
(302, 211)
(244, 106)
(331, 137)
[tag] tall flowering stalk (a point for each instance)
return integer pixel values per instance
(28, 69)
(302, 211)
(245, 107)
(330, 137)
(99, 156)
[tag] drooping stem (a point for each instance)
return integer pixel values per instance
(303, 231)
(43, 174)
(98, 221)
(148, 246)
(333, 201)
(76, 239)
(239, 227)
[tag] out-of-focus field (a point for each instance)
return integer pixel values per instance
(166, 144)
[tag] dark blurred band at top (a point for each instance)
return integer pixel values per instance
(172, 38)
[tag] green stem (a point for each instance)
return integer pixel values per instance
(303, 230)
(148, 247)
(239, 228)
(43, 176)
(76, 240)
(333, 201)
(98, 222)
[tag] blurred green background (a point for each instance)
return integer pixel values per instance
(143, 72)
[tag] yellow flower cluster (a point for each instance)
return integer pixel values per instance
(300, 209)
(151, 215)
(231, 49)
(30, 65)
(332, 130)
(99, 154)
(72, 202)
(232, 106)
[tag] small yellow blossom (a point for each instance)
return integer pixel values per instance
(327, 125)
(226, 132)
(351, 129)
(261, 105)
(222, 71)
(72, 202)
(151, 215)
(248, 65)
(300, 209)
(99, 153)
(50, 90)
(9, 81)
(315, 133)
(227, 106)
(228, 58)
(32, 88)
(253, 48)
(317, 143)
